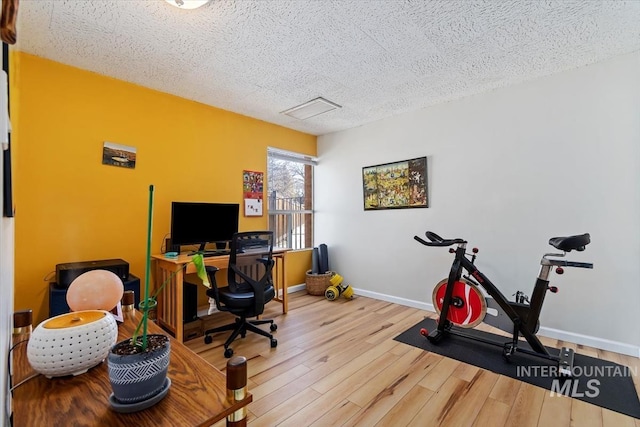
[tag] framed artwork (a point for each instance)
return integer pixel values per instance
(118, 155)
(252, 188)
(396, 185)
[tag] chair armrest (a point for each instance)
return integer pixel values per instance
(259, 286)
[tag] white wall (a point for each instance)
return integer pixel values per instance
(507, 170)
(6, 287)
(6, 304)
(6, 301)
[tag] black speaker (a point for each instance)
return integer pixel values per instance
(168, 247)
(58, 296)
(190, 302)
(67, 273)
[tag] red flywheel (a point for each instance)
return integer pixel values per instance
(468, 306)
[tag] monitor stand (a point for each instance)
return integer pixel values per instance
(200, 249)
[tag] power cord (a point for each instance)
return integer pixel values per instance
(49, 276)
(163, 245)
(10, 376)
(10, 371)
(29, 378)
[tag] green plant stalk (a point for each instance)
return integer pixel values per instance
(197, 260)
(154, 298)
(145, 314)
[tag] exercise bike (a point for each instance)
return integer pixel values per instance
(461, 304)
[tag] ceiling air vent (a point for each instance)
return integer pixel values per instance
(310, 109)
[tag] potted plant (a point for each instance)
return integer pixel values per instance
(138, 365)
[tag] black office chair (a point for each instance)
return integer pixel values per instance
(250, 286)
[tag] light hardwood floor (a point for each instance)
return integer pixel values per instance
(336, 364)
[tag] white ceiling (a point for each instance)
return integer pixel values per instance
(374, 58)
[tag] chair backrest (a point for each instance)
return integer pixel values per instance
(250, 264)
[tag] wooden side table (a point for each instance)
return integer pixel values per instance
(200, 395)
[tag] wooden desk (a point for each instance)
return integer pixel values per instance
(197, 397)
(170, 301)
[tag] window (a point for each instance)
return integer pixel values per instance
(290, 195)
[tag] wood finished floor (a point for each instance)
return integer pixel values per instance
(337, 364)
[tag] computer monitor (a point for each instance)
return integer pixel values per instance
(195, 223)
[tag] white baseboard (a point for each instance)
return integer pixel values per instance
(397, 300)
(601, 343)
(296, 288)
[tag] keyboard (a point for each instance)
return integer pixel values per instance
(207, 254)
(211, 253)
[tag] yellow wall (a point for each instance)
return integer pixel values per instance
(70, 207)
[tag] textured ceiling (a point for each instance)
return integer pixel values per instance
(374, 58)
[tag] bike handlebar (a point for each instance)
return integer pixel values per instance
(433, 236)
(437, 240)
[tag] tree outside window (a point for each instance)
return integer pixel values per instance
(290, 198)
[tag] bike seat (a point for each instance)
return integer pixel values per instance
(570, 243)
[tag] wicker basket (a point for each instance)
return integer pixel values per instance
(318, 283)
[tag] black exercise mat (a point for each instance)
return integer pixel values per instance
(614, 391)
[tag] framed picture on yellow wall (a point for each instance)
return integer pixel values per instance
(252, 187)
(118, 155)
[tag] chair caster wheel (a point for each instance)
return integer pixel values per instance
(274, 342)
(208, 339)
(273, 327)
(228, 352)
